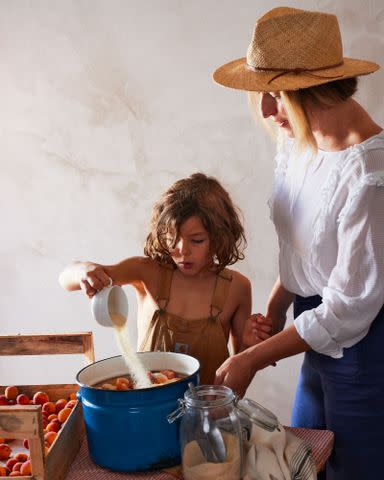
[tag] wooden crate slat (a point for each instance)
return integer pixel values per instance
(54, 391)
(64, 449)
(47, 344)
(20, 421)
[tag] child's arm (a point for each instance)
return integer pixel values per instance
(278, 303)
(243, 311)
(92, 277)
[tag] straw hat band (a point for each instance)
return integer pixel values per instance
(305, 71)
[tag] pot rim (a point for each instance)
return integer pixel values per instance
(84, 385)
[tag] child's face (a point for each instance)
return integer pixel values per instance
(191, 253)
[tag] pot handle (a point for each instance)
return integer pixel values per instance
(179, 412)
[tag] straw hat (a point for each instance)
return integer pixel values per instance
(292, 49)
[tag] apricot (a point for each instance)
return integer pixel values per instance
(5, 451)
(49, 408)
(26, 468)
(159, 378)
(71, 404)
(3, 472)
(10, 463)
(64, 414)
(60, 404)
(22, 399)
(49, 438)
(123, 383)
(21, 457)
(39, 398)
(168, 373)
(17, 466)
(52, 417)
(11, 392)
(53, 426)
(3, 400)
(107, 386)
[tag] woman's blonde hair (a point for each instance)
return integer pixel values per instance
(204, 197)
(296, 104)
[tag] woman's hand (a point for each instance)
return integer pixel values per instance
(257, 329)
(92, 278)
(236, 373)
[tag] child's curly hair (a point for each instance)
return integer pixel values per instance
(204, 197)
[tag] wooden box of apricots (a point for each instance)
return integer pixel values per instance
(41, 426)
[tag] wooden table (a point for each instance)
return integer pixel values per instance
(83, 468)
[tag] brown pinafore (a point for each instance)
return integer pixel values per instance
(202, 338)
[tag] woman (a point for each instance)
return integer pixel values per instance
(328, 208)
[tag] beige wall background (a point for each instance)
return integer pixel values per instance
(103, 105)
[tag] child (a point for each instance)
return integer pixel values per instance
(188, 301)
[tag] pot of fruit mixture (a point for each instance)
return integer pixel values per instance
(125, 409)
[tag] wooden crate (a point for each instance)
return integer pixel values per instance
(20, 422)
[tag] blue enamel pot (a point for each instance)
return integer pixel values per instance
(128, 431)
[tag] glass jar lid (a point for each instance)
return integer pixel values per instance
(258, 414)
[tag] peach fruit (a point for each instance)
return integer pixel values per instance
(52, 417)
(159, 378)
(26, 468)
(60, 404)
(15, 473)
(53, 426)
(64, 414)
(12, 402)
(22, 399)
(11, 462)
(49, 438)
(11, 392)
(3, 471)
(17, 466)
(21, 457)
(5, 451)
(39, 398)
(71, 404)
(3, 400)
(72, 396)
(49, 408)
(168, 373)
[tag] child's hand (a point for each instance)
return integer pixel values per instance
(257, 329)
(93, 278)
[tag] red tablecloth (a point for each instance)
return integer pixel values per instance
(83, 468)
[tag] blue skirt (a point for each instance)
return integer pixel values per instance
(346, 395)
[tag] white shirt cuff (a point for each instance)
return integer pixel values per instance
(312, 332)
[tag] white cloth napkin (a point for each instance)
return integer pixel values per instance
(278, 455)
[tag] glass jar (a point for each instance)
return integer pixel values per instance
(214, 429)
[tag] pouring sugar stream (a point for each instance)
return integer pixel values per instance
(110, 309)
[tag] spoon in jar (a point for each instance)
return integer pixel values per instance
(212, 444)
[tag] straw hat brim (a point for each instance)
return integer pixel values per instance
(238, 75)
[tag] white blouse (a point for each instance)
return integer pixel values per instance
(329, 216)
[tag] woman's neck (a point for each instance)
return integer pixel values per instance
(341, 126)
